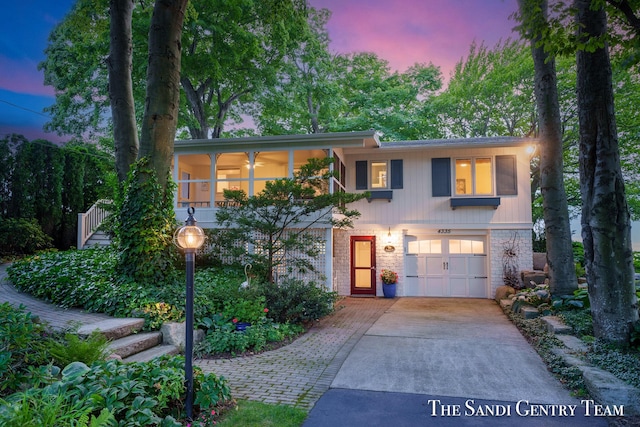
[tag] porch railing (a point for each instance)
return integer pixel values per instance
(89, 221)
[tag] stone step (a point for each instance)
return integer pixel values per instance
(555, 325)
(152, 353)
(113, 329)
(135, 343)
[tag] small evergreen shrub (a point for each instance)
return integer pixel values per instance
(295, 301)
(19, 236)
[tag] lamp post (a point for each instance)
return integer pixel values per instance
(189, 237)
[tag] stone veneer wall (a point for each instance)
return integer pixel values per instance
(498, 239)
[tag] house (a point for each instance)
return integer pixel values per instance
(440, 212)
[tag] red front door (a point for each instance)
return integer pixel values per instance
(363, 265)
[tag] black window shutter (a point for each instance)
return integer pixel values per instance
(506, 176)
(396, 173)
(441, 177)
(361, 175)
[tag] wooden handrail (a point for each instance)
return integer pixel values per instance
(89, 221)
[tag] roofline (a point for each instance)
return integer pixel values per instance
(367, 139)
(495, 141)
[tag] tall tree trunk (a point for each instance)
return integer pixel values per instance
(125, 131)
(606, 229)
(562, 272)
(163, 86)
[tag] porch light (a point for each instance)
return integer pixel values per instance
(189, 237)
(389, 247)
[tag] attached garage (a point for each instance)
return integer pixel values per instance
(446, 266)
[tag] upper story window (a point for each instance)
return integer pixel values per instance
(379, 174)
(474, 176)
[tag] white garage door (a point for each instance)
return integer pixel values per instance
(437, 266)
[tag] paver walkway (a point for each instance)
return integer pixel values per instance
(57, 317)
(298, 374)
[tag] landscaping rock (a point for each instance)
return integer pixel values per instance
(555, 325)
(574, 344)
(529, 312)
(503, 292)
(606, 389)
(173, 333)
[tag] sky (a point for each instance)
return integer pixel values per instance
(402, 32)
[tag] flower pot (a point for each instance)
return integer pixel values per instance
(241, 326)
(389, 290)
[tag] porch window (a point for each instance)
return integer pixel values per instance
(232, 173)
(194, 180)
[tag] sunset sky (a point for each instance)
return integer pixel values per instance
(402, 32)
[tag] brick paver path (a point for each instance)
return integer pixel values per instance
(299, 373)
(296, 374)
(57, 317)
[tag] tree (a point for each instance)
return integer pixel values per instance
(123, 110)
(490, 93)
(562, 272)
(277, 221)
(146, 215)
(230, 51)
(606, 229)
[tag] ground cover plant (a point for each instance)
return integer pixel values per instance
(38, 387)
(574, 310)
(88, 279)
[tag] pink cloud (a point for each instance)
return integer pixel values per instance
(22, 76)
(404, 32)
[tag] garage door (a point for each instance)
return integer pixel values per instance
(437, 266)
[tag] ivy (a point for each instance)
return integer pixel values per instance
(145, 230)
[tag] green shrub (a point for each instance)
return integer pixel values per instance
(579, 299)
(294, 301)
(223, 338)
(21, 348)
(72, 348)
(136, 394)
(38, 407)
(20, 236)
(86, 279)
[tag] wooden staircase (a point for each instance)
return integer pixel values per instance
(127, 342)
(88, 224)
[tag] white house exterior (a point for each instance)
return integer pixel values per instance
(440, 212)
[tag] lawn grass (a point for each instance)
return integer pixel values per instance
(257, 414)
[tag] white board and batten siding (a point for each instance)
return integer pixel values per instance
(446, 252)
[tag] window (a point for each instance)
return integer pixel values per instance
(379, 174)
(194, 177)
(473, 176)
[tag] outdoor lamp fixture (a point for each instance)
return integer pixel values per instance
(389, 247)
(189, 237)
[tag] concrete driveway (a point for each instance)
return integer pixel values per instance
(449, 347)
(436, 356)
